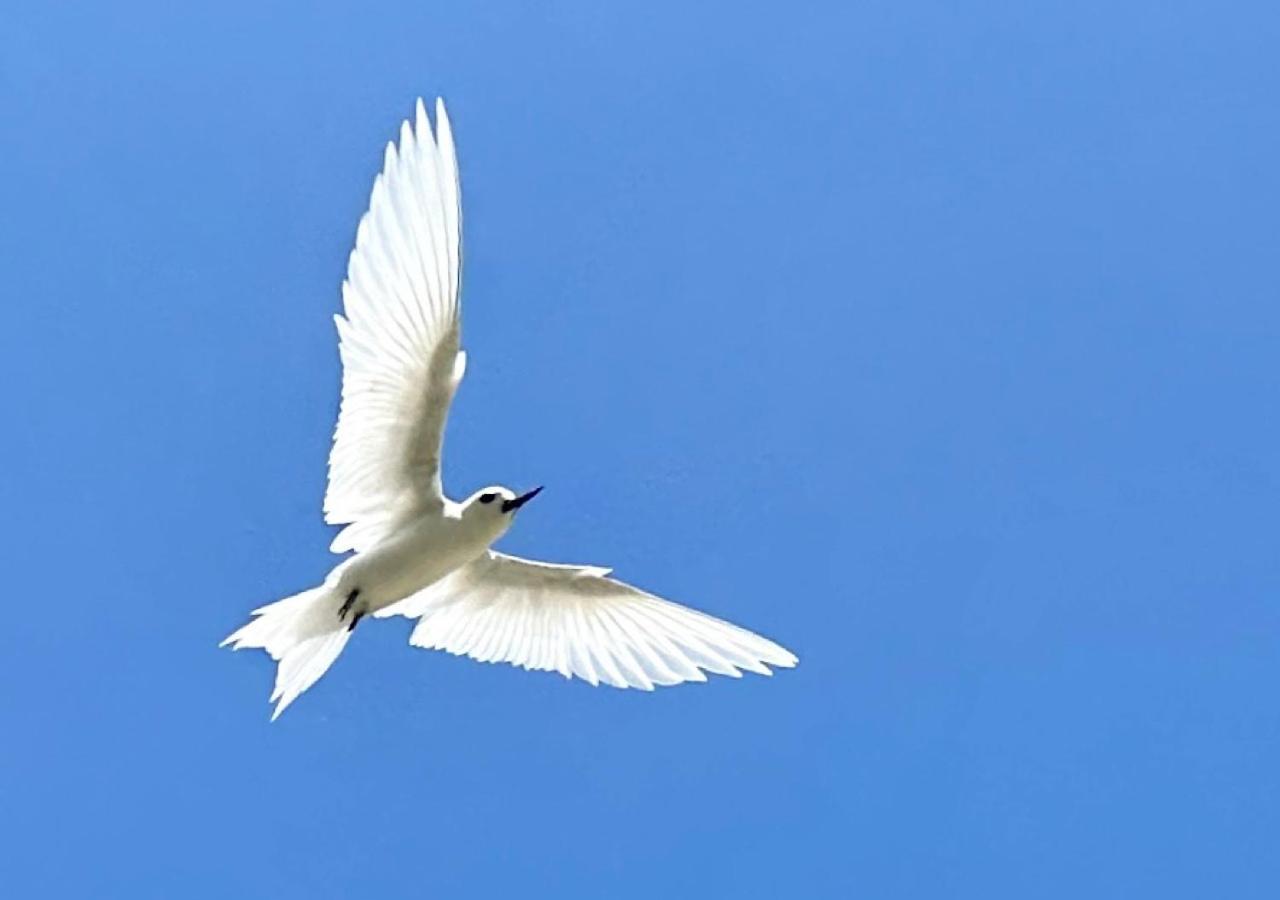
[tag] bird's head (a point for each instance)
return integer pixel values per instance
(496, 504)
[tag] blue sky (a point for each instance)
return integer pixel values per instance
(938, 342)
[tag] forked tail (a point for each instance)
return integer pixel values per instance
(303, 633)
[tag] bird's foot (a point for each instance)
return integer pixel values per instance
(347, 604)
(355, 620)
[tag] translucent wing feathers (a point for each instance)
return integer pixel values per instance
(398, 338)
(577, 621)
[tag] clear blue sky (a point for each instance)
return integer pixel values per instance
(937, 341)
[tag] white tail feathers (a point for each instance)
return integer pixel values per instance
(302, 633)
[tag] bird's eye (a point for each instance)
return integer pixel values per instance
(488, 498)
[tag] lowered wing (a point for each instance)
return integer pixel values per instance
(577, 621)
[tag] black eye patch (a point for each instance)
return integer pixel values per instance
(488, 498)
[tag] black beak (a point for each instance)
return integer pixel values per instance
(513, 505)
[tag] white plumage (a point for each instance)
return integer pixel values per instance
(398, 341)
(420, 554)
(577, 621)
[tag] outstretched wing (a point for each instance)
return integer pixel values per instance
(576, 621)
(399, 340)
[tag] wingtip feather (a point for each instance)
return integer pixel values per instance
(421, 124)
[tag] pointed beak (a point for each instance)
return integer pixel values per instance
(513, 505)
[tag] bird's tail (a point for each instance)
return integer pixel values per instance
(303, 633)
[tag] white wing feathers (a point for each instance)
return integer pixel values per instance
(576, 621)
(398, 340)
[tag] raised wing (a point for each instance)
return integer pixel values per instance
(399, 340)
(576, 621)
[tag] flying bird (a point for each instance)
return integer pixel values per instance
(416, 552)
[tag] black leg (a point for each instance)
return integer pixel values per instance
(348, 603)
(355, 620)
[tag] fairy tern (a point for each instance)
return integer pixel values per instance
(416, 552)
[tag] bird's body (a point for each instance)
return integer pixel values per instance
(415, 556)
(420, 554)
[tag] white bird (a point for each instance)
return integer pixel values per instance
(420, 554)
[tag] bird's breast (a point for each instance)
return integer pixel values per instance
(411, 559)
